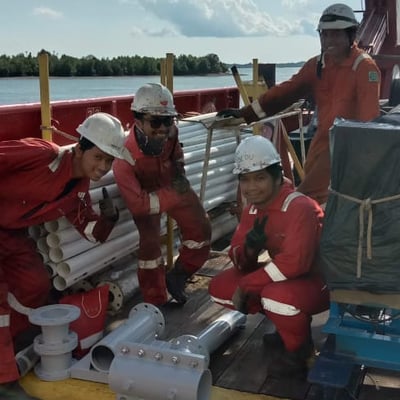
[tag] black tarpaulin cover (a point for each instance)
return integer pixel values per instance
(360, 243)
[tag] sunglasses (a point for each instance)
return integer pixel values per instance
(156, 122)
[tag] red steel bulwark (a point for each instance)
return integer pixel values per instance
(23, 120)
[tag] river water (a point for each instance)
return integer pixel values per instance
(26, 90)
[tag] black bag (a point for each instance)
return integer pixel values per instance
(360, 243)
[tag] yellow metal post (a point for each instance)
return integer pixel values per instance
(255, 78)
(163, 72)
(168, 82)
(170, 72)
(45, 95)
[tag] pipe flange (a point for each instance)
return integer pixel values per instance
(54, 314)
(53, 375)
(68, 344)
(189, 344)
(157, 314)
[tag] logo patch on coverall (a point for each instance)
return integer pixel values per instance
(372, 76)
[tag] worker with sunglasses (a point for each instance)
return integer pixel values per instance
(157, 184)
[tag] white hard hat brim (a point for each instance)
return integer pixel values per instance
(125, 154)
(121, 153)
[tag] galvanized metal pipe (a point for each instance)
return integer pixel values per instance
(145, 323)
(176, 370)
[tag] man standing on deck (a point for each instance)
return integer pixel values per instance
(288, 288)
(157, 184)
(41, 182)
(343, 80)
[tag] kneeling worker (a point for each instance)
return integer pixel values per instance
(288, 288)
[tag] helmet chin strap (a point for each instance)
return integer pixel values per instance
(319, 65)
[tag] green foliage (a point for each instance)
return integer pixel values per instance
(26, 65)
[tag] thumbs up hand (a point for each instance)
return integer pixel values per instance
(107, 208)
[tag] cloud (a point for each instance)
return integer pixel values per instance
(47, 12)
(221, 18)
(166, 31)
(295, 4)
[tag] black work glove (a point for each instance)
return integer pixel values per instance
(256, 238)
(229, 112)
(107, 208)
(180, 184)
(239, 300)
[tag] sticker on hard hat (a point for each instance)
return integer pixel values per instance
(373, 76)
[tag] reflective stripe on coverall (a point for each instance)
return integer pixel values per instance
(288, 288)
(342, 91)
(146, 189)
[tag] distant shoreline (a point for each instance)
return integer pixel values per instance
(278, 65)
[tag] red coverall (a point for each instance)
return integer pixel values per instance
(146, 189)
(349, 90)
(36, 186)
(288, 288)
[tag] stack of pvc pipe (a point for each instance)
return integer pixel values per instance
(71, 259)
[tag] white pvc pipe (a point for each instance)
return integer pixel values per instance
(94, 260)
(69, 250)
(57, 254)
(68, 235)
(57, 225)
(42, 245)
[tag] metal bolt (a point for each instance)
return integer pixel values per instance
(175, 359)
(125, 350)
(158, 356)
(141, 353)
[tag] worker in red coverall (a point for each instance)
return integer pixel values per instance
(157, 184)
(288, 288)
(40, 182)
(343, 80)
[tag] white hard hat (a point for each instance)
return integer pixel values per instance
(106, 132)
(255, 153)
(337, 16)
(154, 98)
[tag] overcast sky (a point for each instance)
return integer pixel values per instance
(236, 30)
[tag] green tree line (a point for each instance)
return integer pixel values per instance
(27, 65)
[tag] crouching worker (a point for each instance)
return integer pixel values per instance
(157, 184)
(287, 288)
(41, 182)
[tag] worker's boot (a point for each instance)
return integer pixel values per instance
(152, 285)
(176, 282)
(14, 391)
(292, 363)
(273, 341)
